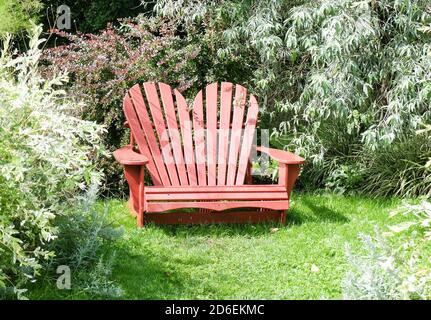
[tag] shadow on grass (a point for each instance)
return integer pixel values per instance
(152, 275)
(308, 211)
(218, 230)
(314, 213)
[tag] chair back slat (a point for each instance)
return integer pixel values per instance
(187, 135)
(162, 132)
(199, 135)
(224, 130)
(247, 140)
(173, 130)
(211, 132)
(236, 132)
(137, 131)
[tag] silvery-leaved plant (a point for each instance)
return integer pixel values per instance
(47, 158)
(384, 271)
(345, 83)
(422, 218)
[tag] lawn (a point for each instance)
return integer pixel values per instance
(302, 260)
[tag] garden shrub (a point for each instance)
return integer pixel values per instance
(83, 244)
(399, 169)
(342, 82)
(374, 274)
(47, 160)
(384, 270)
(395, 271)
(388, 268)
(92, 16)
(16, 15)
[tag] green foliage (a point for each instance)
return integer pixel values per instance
(422, 218)
(83, 240)
(385, 271)
(374, 275)
(92, 16)
(426, 130)
(389, 271)
(345, 83)
(399, 169)
(47, 159)
(15, 15)
(344, 178)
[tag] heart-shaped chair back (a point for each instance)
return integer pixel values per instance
(208, 143)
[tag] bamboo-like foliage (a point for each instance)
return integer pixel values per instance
(342, 80)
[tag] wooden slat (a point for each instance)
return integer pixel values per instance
(247, 140)
(203, 189)
(199, 134)
(217, 196)
(224, 131)
(211, 111)
(238, 116)
(131, 110)
(208, 217)
(144, 119)
(159, 122)
(186, 132)
(217, 206)
(174, 133)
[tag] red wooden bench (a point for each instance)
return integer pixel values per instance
(199, 157)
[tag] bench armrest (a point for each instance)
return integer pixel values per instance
(126, 156)
(282, 156)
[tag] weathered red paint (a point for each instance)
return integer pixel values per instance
(194, 168)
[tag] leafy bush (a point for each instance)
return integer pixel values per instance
(83, 244)
(17, 13)
(386, 271)
(374, 275)
(102, 67)
(92, 16)
(391, 271)
(344, 178)
(422, 214)
(47, 159)
(399, 169)
(343, 82)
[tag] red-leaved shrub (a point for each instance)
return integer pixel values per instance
(103, 66)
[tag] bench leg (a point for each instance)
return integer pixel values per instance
(135, 178)
(283, 217)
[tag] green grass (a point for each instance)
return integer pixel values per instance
(243, 261)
